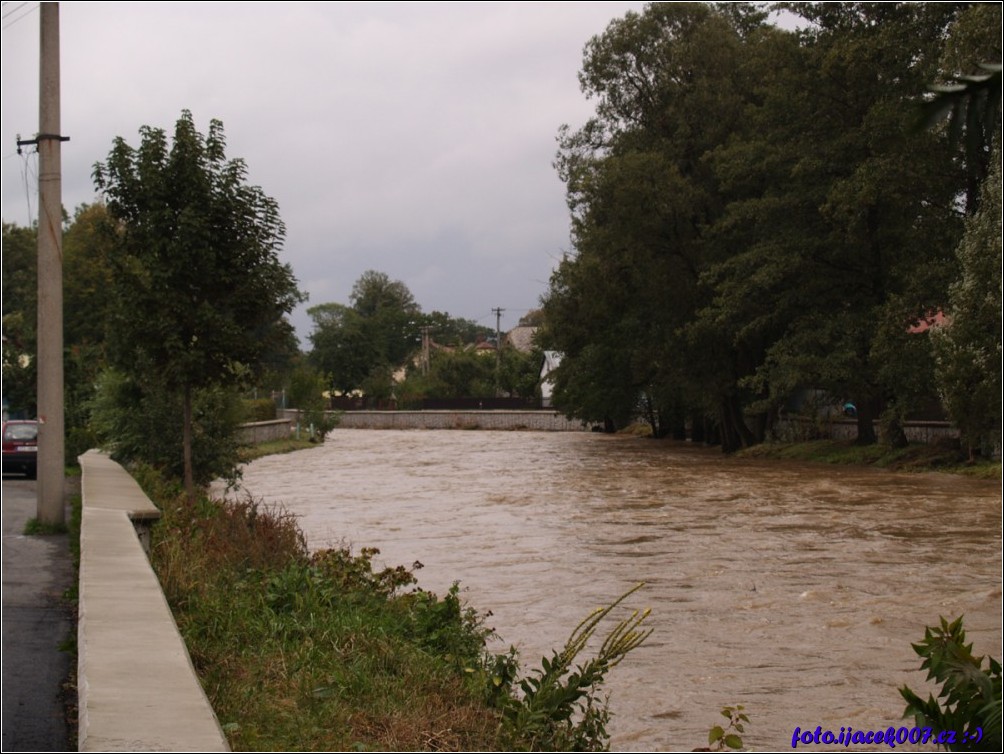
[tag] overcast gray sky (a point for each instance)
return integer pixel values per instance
(411, 138)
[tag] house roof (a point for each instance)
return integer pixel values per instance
(931, 321)
(521, 338)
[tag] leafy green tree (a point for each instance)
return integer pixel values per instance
(969, 91)
(20, 317)
(454, 331)
(390, 315)
(200, 293)
(88, 245)
(365, 341)
(670, 86)
(518, 373)
(968, 349)
(867, 205)
(461, 374)
(833, 239)
(341, 347)
(87, 306)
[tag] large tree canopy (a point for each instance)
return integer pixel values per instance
(199, 291)
(754, 212)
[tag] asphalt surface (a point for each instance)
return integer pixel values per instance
(36, 621)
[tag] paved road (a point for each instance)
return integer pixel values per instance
(36, 572)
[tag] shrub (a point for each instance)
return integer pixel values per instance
(968, 706)
(259, 409)
(141, 421)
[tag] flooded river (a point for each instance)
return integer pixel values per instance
(793, 589)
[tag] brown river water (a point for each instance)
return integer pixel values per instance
(793, 589)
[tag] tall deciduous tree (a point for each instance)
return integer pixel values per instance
(753, 213)
(341, 349)
(670, 86)
(840, 214)
(364, 342)
(199, 289)
(969, 348)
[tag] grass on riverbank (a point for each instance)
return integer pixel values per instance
(301, 651)
(248, 453)
(916, 457)
(317, 652)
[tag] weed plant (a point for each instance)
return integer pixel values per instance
(968, 707)
(320, 651)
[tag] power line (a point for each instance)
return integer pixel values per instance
(11, 12)
(21, 17)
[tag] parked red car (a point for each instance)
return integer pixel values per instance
(20, 448)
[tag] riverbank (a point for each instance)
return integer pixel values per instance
(248, 453)
(912, 458)
(302, 650)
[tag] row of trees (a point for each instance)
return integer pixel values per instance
(755, 211)
(362, 345)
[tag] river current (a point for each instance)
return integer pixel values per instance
(792, 589)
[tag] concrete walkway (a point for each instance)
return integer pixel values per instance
(137, 690)
(36, 572)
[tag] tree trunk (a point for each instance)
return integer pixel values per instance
(186, 445)
(895, 435)
(697, 427)
(731, 441)
(866, 423)
(735, 433)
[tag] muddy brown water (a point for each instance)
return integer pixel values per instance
(793, 589)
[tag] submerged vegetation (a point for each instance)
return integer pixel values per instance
(320, 651)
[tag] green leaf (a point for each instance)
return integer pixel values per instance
(733, 741)
(715, 734)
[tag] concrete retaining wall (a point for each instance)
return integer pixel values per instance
(794, 430)
(253, 433)
(530, 420)
(136, 688)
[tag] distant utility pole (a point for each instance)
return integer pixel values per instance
(425, 348)
(498, 345)
(51, 450)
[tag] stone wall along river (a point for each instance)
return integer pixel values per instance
(793, 589)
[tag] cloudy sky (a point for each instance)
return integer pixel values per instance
(415, 139)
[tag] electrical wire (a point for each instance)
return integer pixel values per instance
(19, 18)
(11, 12)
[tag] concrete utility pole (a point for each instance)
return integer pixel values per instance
(426, 347)
(51, 451)
(498, 346)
